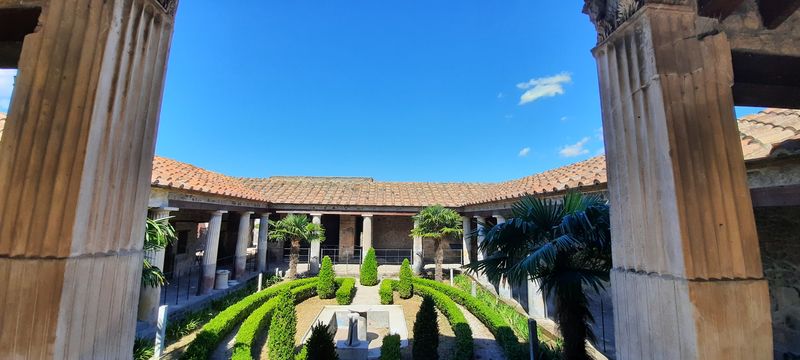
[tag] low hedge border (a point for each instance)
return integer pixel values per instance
(345, 290)
(260, 319)
(386, 291)
(516, 320)
(215, 330)
(498, 326)
(464, 342)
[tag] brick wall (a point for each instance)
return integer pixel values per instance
(392, 232)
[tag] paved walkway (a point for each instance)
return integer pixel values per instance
(486, 348)
(366, 295)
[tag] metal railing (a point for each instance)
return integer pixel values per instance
(393, 256)
(452, 256)
(185, 282)
(338, 257)
(303, 256)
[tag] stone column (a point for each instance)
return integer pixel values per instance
(243, 237)
(366, 235)
(467, 240)
(536, 301)
(687, 281)
(263, 238)
(481, 235)
(417, 264)
(75, 169)
(210, 254)
(503, 288)
(150, 297)
(314, 252)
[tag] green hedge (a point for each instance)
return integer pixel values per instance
(464, 343)
(369, 269)
(503, 333)
(326, 285)
(390, 349)
(215, 330)
(346, 291)
(405, 286)
(280, 343)
(386, 291)
(516, 320)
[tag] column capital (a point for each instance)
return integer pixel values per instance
(247, 213)
(167, 209)
(315, 214)
(366, 215)
(219, 212)
(264, 214)
(479, 218)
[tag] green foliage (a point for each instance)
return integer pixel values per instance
(518, 321)
(216, 329)
(280, 344)
(295, 228)
(303, 354)
(320, 344)
(390, 349)
(346, 291)
(405, 286)
(143, 349)
(438, 223)
(386, 291)
(158, 234)
(464, 348)
(369, 269)
(326, 287)
(426, 332)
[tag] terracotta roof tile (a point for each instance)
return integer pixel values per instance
(173, 174)
(762, 132)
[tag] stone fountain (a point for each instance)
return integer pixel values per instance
(358, 330)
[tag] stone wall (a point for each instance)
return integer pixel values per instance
(183, 262)
(779, 239)
(392, 232)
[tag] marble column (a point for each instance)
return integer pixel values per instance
(417, 263)
(504, 288)
(263, 241)
(467, 240)
(481, 235)
(366, 235)
(210, 253)
(315, 250)
(150, 297)
(243, 238)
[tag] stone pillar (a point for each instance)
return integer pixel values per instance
(536, 301)
(210, 254)
(503, 288)
(243, 237)
(467, 240)
(263, 238)
(75, 166)
(366, 235)
(481, 235)
(687, 281)
(314, 257)
(150, 297)
(417, 264)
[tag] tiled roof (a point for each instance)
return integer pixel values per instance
(173, 174)
(769, 131)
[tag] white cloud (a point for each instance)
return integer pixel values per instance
(500, 95)
(599, 134)
(543, 87)
(524, 152)
(6, 87)
(564, 118)
(575, 149)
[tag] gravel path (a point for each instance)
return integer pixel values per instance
(486, 348)
(366, 295)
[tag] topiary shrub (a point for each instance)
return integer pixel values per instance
(426, 332)
(386, 291)
(405, 288)
(320, 344)
(464, 348)
(369, 269)
(326, 288)
(346, 291)
(280, 344)
(390, 349)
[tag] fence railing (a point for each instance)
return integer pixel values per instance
(342, 257)
(302, 258)
(393, 256)
(452, 256)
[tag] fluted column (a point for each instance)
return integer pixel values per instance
(687, 281)
(481, 233)
(150, 297)
(315, 249)
(211, 249)
(467, 240)
(263, 238)
(503, 288)
(243, 237)
(366, 235)
(417, 263)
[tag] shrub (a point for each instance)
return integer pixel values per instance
(464, 343)
(326, 287)
(515, 319)
(143, 349)
(426, 332)
(405, 287)
(369, 269)
(303, 354)
(386, 291)
(390, 349)
(280, 344)
(217, 328)
(346, 291)
(320, 344)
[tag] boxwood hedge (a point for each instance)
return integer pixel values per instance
(346, 290)
(464, 343)
(386, 291)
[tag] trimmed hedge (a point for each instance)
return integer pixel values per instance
(488, 316)
(516, 320)
(390, 349)
(405, 286)
(215, 330)
(464, 343)
(280, 343)
(260, 319)
(320, 345)
(346, 290)
(369, 269)
(386, 291)
(326, 287)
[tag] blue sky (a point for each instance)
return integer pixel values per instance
(405, 91)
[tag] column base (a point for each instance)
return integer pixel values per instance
(209, 276)
(239, 267)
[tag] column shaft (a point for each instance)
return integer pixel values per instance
(243, 238)
(366, 235)
(503, 288)
(150, 297)
(417, 262)
(210, 254)
(315, 249)
(467, 240)
(263, 238)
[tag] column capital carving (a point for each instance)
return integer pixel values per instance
(315, 214)
(608, 15)
(219, 212)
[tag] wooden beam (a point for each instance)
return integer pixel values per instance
(776, 196)
(766, 80)
(775, 12)
(719, 9)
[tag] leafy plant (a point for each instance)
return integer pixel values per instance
(158, 234)
(346, 291)
(517, 320)
(405, 286)
(426, 332)
(326, 287)
(386, 291)
(280, 344)
(566, 245)
(320, 344)
(438, 223)
(143, 349)
(390, 348)
(295, 228)
(369, 269)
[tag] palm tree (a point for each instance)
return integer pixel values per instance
(158, 234)
(295, 228)
(438, 223)
(566, 246)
